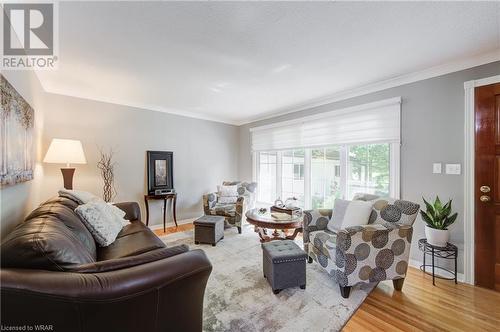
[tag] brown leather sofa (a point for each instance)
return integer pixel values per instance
(54, 274)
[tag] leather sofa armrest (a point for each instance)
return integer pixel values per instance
(126, 262)
(132, 210)
(108, 285)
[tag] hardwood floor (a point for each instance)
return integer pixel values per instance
(420, 306)
(423, 307)
(173, 229)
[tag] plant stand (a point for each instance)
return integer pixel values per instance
(448, 252)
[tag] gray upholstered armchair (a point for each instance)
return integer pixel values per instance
(232, 212)
(375, 252)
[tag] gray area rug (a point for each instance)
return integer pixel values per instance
(238, 297)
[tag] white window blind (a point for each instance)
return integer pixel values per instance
(368, 123)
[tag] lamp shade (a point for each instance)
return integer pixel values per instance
(65, 151)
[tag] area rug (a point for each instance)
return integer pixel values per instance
(238, 297)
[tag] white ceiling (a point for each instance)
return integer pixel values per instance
(240, 61)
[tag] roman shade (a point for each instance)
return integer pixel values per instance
(368, 123)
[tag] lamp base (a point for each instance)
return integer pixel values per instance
(67, 173)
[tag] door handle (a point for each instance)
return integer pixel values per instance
(485, 198)
(485, 189)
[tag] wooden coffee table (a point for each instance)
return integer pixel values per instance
(264, 222)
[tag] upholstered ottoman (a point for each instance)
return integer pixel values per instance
(208, 229)
(284, 264)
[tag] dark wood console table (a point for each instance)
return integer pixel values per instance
(165, 198)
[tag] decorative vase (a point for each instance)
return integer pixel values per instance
(437, 237)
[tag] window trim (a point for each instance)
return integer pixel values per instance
(394, 170)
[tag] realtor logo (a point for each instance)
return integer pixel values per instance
(29, 36)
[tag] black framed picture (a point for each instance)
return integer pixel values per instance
(160, 171)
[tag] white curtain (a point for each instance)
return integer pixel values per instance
(368, 123)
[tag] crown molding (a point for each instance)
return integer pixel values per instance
(143, 106)
(435, 71)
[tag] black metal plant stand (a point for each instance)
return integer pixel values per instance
(448, 252)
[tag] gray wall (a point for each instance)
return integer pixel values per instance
(205, 152)
(432, 131)
(16, 201)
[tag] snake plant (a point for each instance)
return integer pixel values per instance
(437, 215)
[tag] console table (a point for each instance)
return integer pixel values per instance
(167, 197)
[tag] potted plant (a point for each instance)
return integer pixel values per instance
(437, 218)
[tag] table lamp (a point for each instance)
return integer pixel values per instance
(65, 151)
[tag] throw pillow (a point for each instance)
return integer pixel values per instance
(349, 213)
(100, 220)
(119, 214)
(228, 191)
(79, 196)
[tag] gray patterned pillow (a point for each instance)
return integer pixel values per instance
(100, 220)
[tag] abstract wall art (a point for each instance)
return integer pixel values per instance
(17, 121)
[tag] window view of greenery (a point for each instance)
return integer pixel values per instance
(369, 169)
(325, 177)
(292, 175)
(267, 176)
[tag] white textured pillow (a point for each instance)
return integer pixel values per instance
(228, 199)
(119, 214)
(349, 213)
(79, 196)
(228, 191)
(100, 220)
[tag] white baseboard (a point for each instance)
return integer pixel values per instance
(171, 223)
(416, 264)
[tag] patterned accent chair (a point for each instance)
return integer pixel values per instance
(232, 212)
(375, 252)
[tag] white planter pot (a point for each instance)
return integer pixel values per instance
(437, 237)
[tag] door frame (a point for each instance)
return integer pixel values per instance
(470, 133)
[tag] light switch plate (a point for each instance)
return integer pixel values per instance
(453, 169)
(436, 168)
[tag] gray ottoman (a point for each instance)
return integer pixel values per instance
(284, 264)
(208, 229)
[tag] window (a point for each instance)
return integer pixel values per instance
(325, 180)
(336, 154)
(369, 169)
(267, 176)
(317, 176)
(292, 175)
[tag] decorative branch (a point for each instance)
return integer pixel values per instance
(106, 165)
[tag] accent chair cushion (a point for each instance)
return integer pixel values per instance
(349, 213)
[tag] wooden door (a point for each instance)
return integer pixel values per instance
(487, 186)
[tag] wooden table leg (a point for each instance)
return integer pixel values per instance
(164, 215)
(175, 203)
(295, 232)
(147, 210)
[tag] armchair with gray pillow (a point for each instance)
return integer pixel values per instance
(214, 204)
(376, 251)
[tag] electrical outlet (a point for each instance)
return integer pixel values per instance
(453, 169)
(436, 168)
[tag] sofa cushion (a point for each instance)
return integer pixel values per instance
(63, 210)
(44, 242)
(221, 209)
(134, 239)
